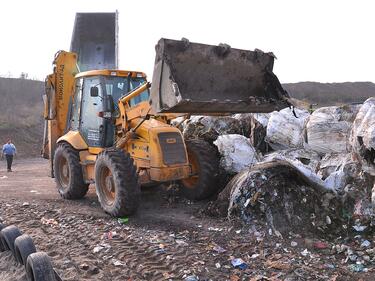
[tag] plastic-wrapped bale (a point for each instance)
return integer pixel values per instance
(279, 193)
(328, 129)
(236, 153)
(209, 127)
(306, 157)
(285, 130)
(363, 135)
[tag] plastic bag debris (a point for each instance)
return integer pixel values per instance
(236, 153)
(285, 130)
(362, 137)
(305, 157)
(239, 263)
(123, 220)
(328, 129)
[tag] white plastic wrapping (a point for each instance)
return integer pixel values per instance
(236, 153)
(285, 130)
(363, 135)
(328, 129)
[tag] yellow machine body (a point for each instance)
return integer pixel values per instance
(144, 146)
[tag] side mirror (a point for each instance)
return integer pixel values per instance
(94, 91)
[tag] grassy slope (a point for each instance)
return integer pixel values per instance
(21, 114)
(21, 106)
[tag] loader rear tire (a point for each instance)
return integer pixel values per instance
(39, 267)
(116, 182)
(204, 159)
(68, 173)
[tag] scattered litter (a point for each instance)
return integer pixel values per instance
(293, 244)
(305, 253)
(219, 249)
(217, 265)
(239, 263)
(97, 249)
(110, 235)
(51, 222)
(25, 204)
(117, 262)
(123, 220)
(356, 267)
(181, 242)
(365, 244)
(359, 228)
(321, 245)
(191, 278)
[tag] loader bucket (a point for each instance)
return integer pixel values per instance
(202, 79)
(94, 40)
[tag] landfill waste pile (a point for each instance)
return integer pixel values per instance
(295, 169)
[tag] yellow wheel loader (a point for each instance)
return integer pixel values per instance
(110, 128)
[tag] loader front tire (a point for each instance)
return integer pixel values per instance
(116, 182)
(68, 173)
(204, 160)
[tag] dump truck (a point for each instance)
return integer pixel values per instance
(111, 128)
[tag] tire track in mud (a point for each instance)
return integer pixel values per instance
(70, 240)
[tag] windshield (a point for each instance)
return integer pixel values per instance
(119, 86)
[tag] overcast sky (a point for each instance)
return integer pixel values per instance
(325, 41)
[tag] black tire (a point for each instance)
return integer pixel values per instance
(2, 248)
(23, 247)
(8, 236)
(68, 173)
(204, 159)
(116, 183)
(39, 267)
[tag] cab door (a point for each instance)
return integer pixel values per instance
(92, 126)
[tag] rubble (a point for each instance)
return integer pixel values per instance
(285, 128)
(236, 153)
(330, 123)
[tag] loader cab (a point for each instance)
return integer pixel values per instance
(95, 103)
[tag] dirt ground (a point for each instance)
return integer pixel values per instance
(168, 239)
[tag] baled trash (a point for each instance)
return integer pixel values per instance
(362, 137)
(328, 129)
(236, 153)
(285, 130)
(210, 127)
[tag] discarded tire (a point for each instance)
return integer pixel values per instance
(8, 236)
(23, 247)
(1, 242)
(39, 267)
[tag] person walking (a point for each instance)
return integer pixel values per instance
(9, 150)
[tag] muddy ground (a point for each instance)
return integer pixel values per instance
(168, 239)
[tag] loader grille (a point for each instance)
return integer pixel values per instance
(172, 147)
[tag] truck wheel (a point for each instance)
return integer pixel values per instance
(68, 173)
(204, 161)
(23, 247)
(39, 267)
(8, 236)
(116, 182)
